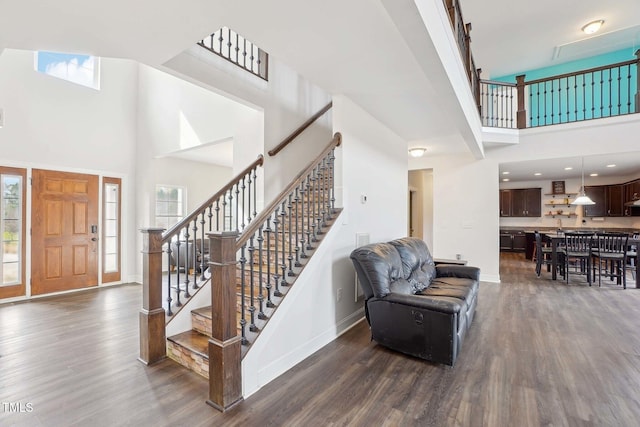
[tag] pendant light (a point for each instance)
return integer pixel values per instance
(582, 198)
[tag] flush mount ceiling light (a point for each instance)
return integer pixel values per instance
(417, 151)
(592, 26)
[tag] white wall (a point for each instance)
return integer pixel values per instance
(287, 101)
(54, 124)
(311, 316)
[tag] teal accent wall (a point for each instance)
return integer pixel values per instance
(605, 93)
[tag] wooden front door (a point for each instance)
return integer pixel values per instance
(64, 231)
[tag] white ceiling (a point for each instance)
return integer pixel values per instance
(374, 51)
(513, 36)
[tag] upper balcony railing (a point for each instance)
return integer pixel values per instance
(607, 91)
(233, 47)
(462, 32)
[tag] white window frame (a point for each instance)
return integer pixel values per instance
(181, 211)
(70, 67)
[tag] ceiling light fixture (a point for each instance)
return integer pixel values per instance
(592, 26)
(582, 199)
(537, 174)
(568, 168)
(417, 151)
(611, 166)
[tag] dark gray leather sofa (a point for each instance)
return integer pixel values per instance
(412, 305)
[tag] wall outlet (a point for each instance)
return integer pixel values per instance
(339, 295)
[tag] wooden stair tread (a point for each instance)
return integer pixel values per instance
(194, 341)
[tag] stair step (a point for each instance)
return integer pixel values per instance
(190, 349)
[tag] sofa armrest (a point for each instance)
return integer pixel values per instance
(441, 305)
(461, 271)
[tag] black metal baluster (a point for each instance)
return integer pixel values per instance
(244, 54)
(203, 265)
(268, 230)
(584, 97)
(255, 192)
(225, 197)
(283, 266)
(229, 43)
(243, 322)
(316, 199)
(243, 188)
(619, 93)
(186, 262)
(169, 299)
(593, 95)
(237, 49)
(276, 264)
(575, 96)
(220, 39)
(313, 195)
(178, 303)
(308, 232)
(249, 182)
(252, 306)
(195, 253)
(332, 158)
(602, 93)
(629, 88)
(252, 58)
(290, 257)
(301, 217)
(296, 201)
(325, 198)
(237, 206)
(260, 240)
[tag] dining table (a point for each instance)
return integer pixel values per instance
(557, 239)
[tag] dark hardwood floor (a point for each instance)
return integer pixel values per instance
(539, 353)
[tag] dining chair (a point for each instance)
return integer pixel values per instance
(577, 251)
(610, 255)
(632, 254)
(543, 254)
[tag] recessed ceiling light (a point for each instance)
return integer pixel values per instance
(537, 174)
(593, 174)
(505, 173)
(611, 166)
(568, 168)
(505, 179)
(592, 26)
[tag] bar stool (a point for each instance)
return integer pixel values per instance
(577, 249)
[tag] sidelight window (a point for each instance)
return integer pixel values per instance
(11, 226)
(111, 229)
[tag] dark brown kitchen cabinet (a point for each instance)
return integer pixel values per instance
(597, 193)
(526, 202)
(513, 240)
(505, 202)
(615, 196)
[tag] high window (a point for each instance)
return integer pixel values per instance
(80, 69)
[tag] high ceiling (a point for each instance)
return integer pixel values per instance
(375, 51)
(513, 36)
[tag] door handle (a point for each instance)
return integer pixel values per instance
(94, 239)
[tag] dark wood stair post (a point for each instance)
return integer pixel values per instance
(152, 315)
(521, 115)
(225, 351)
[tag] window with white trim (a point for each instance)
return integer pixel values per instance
(171, 205)
(11, 223)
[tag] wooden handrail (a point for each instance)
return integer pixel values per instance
(300, 129)
(182, 223)
(266, 212)
(497, 83)
(577, 73)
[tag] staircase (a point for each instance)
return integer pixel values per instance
(190, 348)
(254, 260)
